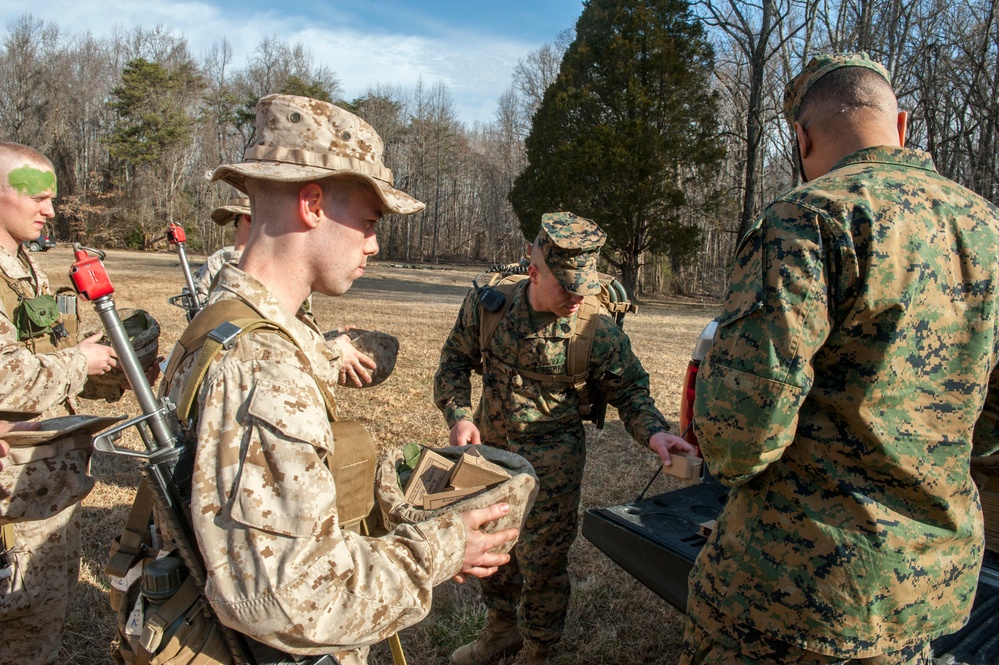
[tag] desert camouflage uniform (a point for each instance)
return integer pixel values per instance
(850, 365)
(541, 423)
(263, 503)
(47, 551)
(206, 273)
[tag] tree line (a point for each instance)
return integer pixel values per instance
(659, 118)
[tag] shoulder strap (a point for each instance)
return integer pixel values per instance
(580, 346)
(489, 321)
(12, 294)
(213, 330)
(127, 547)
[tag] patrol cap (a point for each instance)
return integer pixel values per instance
(570, 245)
(301, 139)
(235, 206)
(819, 66)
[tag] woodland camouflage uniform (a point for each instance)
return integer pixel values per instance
(47, 550)
(851, 362)
(541, 421)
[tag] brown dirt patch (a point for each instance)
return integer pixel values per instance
(613, 618)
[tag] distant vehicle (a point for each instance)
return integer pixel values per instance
(42, 243)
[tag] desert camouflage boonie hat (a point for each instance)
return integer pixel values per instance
(235, 206)
(301, 139)
(819, 66)
(519, 491)
(380, 347)
(570, 245)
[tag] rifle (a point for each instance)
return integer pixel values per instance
(188, 300)
(160, 431)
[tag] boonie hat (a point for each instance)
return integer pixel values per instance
(570, 245)
(301, 139)
(380, 347)
(819, 66)
(519, 492)
(235, 206)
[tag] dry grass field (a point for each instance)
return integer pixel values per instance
(613, 620)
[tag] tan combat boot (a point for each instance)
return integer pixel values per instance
(499, 637)
(532, 655)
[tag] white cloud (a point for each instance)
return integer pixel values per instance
(476, 67)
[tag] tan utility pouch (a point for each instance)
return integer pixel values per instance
(182, 630)
(353, 469)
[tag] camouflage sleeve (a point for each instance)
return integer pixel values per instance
(36, 382)
(756, 376)
(625, 382)
(206, 273)
(459, 358)
(264, 510)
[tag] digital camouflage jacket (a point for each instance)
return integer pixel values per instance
(44, 382)
(211, 267)
(263, 503)
(511, 404)
(851, 362)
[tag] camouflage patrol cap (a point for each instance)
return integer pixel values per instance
(235, 206)
(570, 245)
(819, 66)
(300, 139)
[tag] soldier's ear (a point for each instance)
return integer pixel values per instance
(310, 204)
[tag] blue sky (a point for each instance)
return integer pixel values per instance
(471, 46)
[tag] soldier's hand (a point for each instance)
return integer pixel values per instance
(464, 433)
(355, 365)
(100, 358)
(663, 444)
(479, 561)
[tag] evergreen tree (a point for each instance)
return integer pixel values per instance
(629, 122)
(152, 104)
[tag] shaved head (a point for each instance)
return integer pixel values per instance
(26, 170)
(846, 96)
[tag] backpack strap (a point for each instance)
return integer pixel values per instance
(6, 537)
(157, 621)
(580, 346)
(489, 321)
(127, 547)
(213, 330)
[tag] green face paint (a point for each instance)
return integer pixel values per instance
(31, 181)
